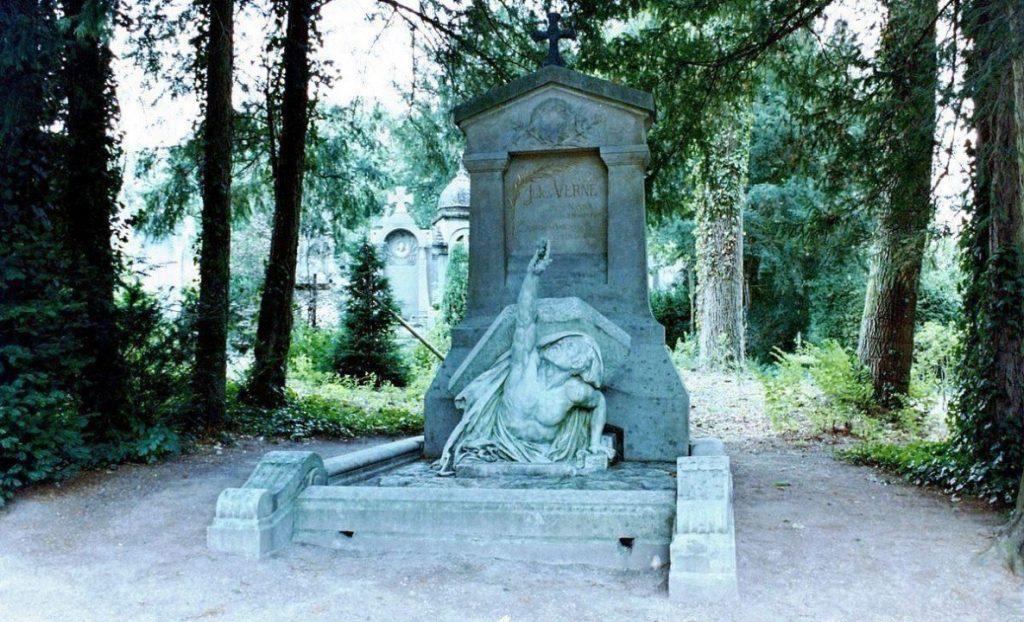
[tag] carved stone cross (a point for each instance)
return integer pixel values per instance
(553, 34)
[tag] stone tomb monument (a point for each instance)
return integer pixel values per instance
(559, 155)
(556, 429)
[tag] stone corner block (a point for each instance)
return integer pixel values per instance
(256, 519)
(703, 549)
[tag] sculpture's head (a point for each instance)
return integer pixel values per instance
(573, 354)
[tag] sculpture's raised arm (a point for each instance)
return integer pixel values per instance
(524, 339)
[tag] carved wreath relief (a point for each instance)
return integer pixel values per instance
(555, 122)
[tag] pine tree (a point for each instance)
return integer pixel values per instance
(367, 346)
(453, 303)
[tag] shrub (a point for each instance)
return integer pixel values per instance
(339, 409)
(453, 303)
(158, 354)
(935, 348)
(40, 432)
(424, 362)
(671, 307)
(684, 354)
(312, 349)
(822, 387)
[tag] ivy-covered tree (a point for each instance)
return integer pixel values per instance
(902, 128)
(989, 427)
(209, 375)
(453, 302)
(39, 356)
(91, 182)
(718, 234)
(367, 348)
(288, 164)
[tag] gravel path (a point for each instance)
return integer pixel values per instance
(818, 540)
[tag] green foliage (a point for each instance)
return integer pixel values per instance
(158, 351)
(338, 409)
(935, 357)
(938, 298)
(671, 307)
(426, 147)
(40, 430)
(453, 303)
(985, 435)
(424, 362)
(312, 350)
(684, 354)
(821, 388)
(803, 250)
(367, 349)
(347, 174)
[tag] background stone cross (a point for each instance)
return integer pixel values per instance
(553, 34)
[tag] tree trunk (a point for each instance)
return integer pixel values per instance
(906, 123)
(273, 335)
(1010, 543)
(89, 204)
(1007, 232)
(210, 372)
(719, 245)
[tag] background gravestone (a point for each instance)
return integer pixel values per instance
(561, 155)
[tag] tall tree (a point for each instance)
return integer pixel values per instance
(89, 204)
(273, 334)
(722, 180)
(1012, 540)
(904, 131)
(210, 371)
(990, 424)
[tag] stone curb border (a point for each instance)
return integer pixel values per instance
(258, 518)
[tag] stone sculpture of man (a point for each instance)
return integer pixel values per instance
(540, 402)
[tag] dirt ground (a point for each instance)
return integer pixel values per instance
(817, 540)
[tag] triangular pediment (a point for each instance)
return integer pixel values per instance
(553, 74)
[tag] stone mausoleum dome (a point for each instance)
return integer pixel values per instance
(454, 199)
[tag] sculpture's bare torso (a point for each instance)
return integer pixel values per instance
(536, 409)
(539, 397)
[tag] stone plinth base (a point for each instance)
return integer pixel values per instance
(632, 515)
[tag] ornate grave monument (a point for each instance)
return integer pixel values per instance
(560, 155)
(556, 428)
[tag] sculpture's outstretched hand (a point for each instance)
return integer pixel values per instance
(542, 258)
